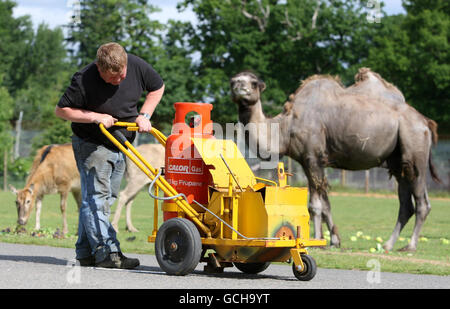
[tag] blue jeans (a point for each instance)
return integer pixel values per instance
(101, 171)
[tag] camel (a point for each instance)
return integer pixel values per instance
(324, 124)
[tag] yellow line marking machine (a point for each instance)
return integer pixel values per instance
(215, 209)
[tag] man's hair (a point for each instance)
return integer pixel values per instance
(111, 57)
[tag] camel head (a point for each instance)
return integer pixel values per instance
(246, 88)
(24, 203)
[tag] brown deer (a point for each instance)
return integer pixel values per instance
(53, 171)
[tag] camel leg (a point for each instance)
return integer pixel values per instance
(315, 211)
(319, 204)
(423, 208)
(414, 168)
(405, 212)
(63, 212)
(326, 215)
(38, 214)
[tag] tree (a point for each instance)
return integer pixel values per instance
(412, 52)
(16, 35)
(34, 71)
(175, 65)
(6, 112)
(124, 22)
(283, 42)
(47, 70)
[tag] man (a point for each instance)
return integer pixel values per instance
(105, 91)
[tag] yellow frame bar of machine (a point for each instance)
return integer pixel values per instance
(132, 126)
(151, 172)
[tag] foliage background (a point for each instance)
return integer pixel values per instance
(283, 41)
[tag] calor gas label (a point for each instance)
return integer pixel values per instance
(185, 166)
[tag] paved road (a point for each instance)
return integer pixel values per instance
(36, 267)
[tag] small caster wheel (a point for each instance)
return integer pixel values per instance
(309, 270)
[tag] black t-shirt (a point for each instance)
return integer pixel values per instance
(90, 92)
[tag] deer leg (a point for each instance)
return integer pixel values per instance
(38, 213)
(77, 196)
(125, 197)
(405, 212)
(130, 227)
(115, 221)
(63, 212)
(135, 192)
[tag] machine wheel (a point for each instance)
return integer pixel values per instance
(309, 270)
(252, 268)
(178, 246)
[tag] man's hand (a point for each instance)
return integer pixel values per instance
(144, 124)
(105, 119)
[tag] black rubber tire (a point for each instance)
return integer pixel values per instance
(309, 270)
(178, 246)
(252, 268)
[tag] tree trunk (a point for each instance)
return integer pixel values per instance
(5, 170)
(18, 131)
(367, 181)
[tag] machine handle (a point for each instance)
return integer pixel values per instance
(120, 137)
(145, 167)
(132, 126)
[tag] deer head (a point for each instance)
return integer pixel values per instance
(24, 203)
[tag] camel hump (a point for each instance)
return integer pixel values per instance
(432, 125)
(363, 74)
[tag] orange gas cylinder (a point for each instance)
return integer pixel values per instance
(184, 167)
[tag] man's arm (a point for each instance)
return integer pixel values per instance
(149, 106)
(84, 116)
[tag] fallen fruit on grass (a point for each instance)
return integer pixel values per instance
(353, 238)
(359, 234)
(445, 241)
(423, 239)
(379, 239)
(372, 250)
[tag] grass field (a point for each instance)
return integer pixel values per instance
(360, 219)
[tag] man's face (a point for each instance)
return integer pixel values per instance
(114, 78)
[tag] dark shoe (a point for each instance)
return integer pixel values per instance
(118, 260)
(128, 263)
(88, 261)
(111, 261)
